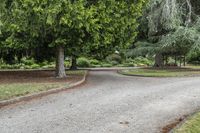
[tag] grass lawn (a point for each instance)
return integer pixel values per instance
(160, 72)
(8, 91)
(192, 125)
(193, 66)
(11, 89)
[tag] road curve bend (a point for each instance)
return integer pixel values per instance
(108, 103)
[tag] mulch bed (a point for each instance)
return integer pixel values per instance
(172, 125)
(34, 77)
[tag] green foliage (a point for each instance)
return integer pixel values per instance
(35, 66)
(169, 27)
(82, 26)
(193, 58)
(138, 61)
(95, 63)
(160, 72)
(83, 62)
(114, 59)
(106, 65)
(67, 64)
(28, 61)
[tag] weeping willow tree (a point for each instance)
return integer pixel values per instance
(2, 5)
(173, 27)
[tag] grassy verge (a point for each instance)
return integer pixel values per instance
(12, 90)
(160, 72)
(8, 91)
(192, 125)
(193, 66)
(75, 72)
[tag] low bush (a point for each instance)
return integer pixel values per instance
(28, 64)
(193, 58)
(28, 61)
(35, 66)
(114, 58)
(95, 62)
(67, 64)
(83, 62)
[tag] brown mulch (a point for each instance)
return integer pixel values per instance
(172, 125)
(34, 77)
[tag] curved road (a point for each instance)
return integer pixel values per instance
(108, 103)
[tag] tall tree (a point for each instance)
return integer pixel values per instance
(72, 25)
(171, 27)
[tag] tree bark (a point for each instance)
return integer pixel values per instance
(74, 63)
(175, 60)
(158, 60)
(184, 61)
(60, 58)
(180, 61)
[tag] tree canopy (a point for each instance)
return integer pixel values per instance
(173, 27)
(69, 25)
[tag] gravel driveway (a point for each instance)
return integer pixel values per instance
(108, 103)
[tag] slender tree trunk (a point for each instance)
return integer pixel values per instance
(184, 60)
(158, 60)
(60, 58)
(175, 60)
(180, 61)
(74, 63)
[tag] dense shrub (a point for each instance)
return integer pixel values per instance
(83, 62)
(35, 66)
(67, 63)
(193, 58)
(27, 61)
(138, 61)
(114, 57)
(114, 63)
(95, 62)
(27, 64)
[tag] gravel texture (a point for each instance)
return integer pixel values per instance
(107, 103)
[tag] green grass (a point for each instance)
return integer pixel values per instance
(160, 72)
(193, 66)
(8, 91)
(12, 90)
(192, 125)
(75, 72)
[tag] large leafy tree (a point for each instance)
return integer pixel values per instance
(74, 25)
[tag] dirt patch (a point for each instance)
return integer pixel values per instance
(172, 125)
(34, 77)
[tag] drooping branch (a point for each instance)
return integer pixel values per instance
(189, 15)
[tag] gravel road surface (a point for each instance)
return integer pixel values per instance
(107, 103)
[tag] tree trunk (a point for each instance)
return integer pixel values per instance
(184, 60)
(74, 63)
(158, 60)
(175, 59)
(60, 58)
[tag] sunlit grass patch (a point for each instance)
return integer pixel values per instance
(192, 125)
(160, 72)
